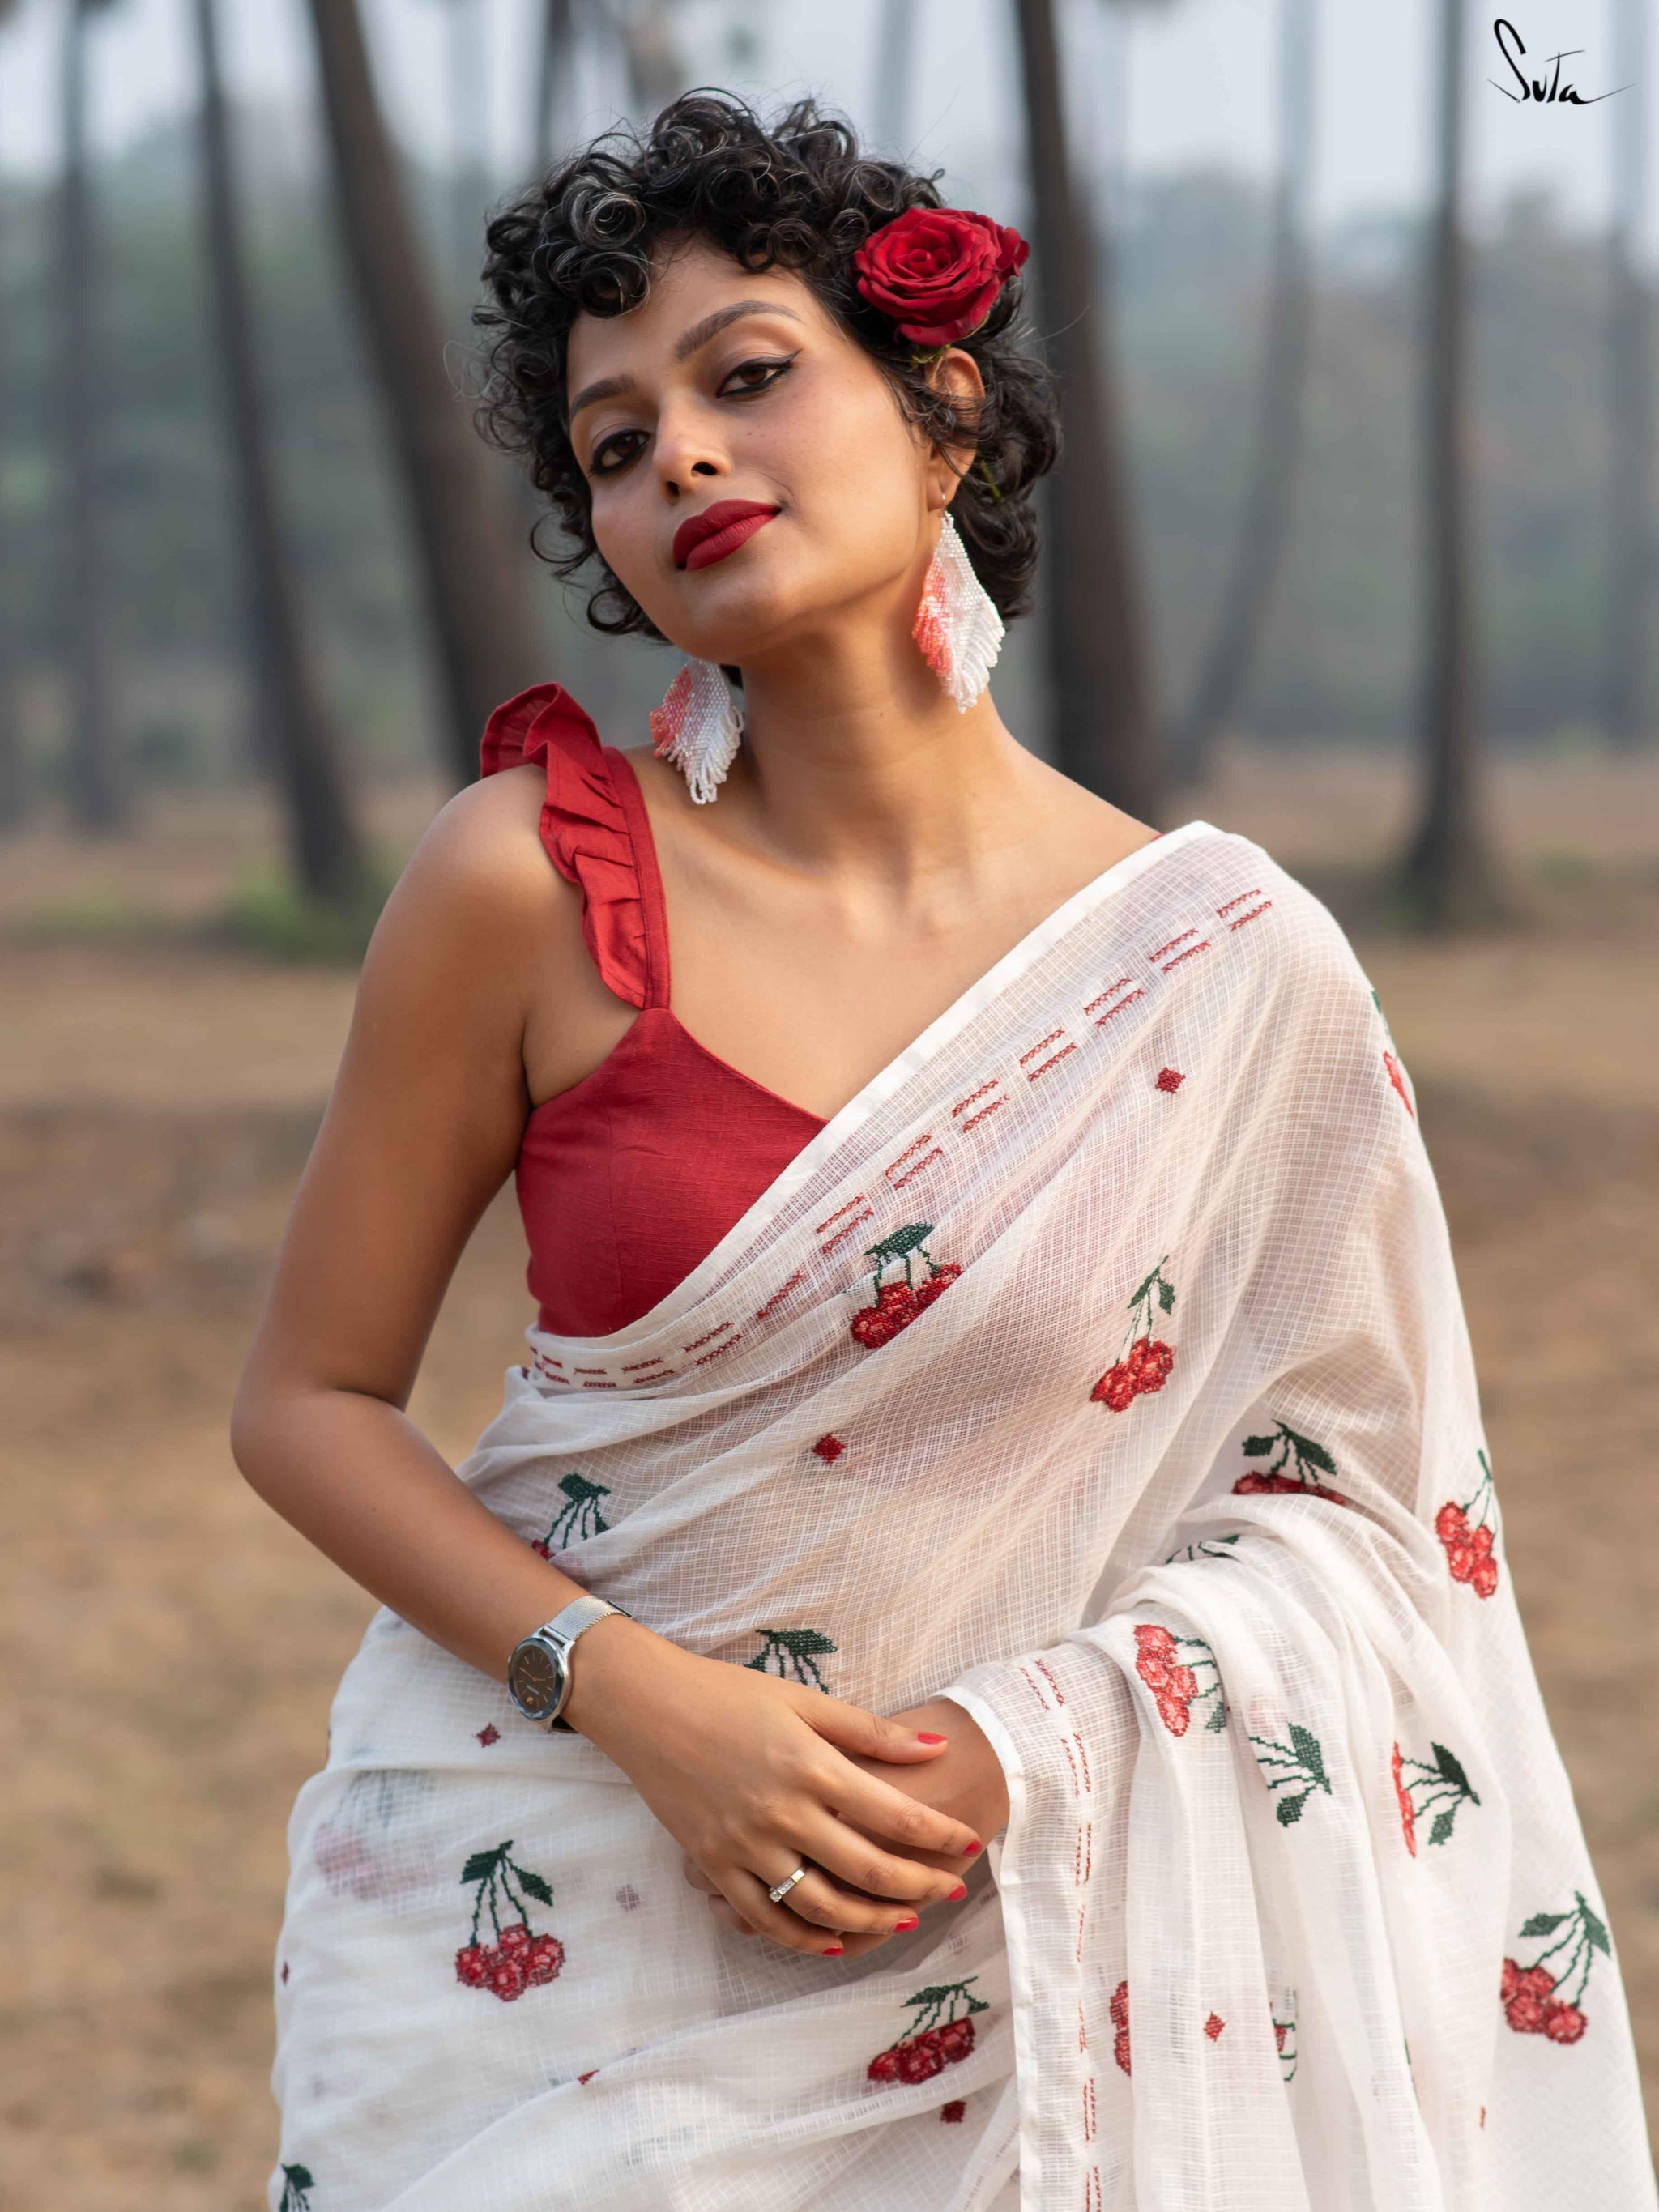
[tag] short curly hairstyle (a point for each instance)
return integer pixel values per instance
(797, 194)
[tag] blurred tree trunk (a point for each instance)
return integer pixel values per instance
(1258, 554)
(97, 794)
(12, 795)
(325, 844)
(1630, 395)
(557, 59)
(1447, 871)
(469, 128)
(895, 71)
(472, 562)
(656, 68)
(1099, 674)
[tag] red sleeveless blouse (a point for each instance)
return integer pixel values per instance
(629, 1179)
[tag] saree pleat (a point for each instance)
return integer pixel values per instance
(1100, 1366)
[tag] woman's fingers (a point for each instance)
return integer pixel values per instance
(866, 1736)
(816, 1899)
(861, 1862)
(871, 1803)
(746, 1894)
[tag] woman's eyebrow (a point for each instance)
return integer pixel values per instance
(688, 343)
(711, 325)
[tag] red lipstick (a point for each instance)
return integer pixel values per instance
(702, 539)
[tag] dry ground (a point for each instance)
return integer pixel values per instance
(173, 1647)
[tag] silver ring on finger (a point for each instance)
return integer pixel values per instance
(783, 1888)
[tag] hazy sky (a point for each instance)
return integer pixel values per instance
(1193, 82)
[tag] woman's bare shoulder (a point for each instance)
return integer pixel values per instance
(481, 863)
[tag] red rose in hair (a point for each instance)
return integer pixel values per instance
(937, 271)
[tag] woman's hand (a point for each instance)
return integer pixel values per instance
(754, 1777)
(963, 1781)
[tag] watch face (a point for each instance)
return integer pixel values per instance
(535, 1680)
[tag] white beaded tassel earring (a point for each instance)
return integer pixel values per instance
(956, 626)
(698, 727)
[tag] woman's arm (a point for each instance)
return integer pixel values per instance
(749, 1773)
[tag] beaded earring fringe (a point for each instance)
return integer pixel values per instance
(698, 727)
(958, 626)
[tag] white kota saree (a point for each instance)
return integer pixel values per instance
(1101, 1366)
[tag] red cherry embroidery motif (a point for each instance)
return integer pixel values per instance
(939, 2035)
(897, 1305)
(1467, 1532)
(1175, 1682)
(1397, 1077)
(1420, 1785)
(1284, 2035)
(1294, 1464)
(1144, 1363)
(578, 1518)
(1538, 2000)
(1121, 2024)
(518, 1960)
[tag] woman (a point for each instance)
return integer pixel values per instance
(998, 1374)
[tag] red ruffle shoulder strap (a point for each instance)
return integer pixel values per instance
(593, 828)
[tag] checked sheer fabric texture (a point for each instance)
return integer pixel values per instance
(1102, 1365)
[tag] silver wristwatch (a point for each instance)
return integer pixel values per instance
(538, 1673)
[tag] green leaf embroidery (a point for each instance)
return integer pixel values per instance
(533, 1886)
(1166, 1296)
(1453, 1771)
(1307, 1750)
(1442, 1828)
(908, 1239)
(482, 1864)
(1256, 1446)
(1288, 1810)
(1544, 1923)
(1595, 1928)
(1305, 1448)
(1218, 1719)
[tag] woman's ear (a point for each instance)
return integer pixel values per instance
(955, 377)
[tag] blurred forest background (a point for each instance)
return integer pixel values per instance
(1352, 550)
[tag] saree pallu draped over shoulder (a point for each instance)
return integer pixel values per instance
(1102, 1366)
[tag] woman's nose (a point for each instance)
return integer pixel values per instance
(684, 458)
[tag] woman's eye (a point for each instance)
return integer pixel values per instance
(754, 376)
(615, 451)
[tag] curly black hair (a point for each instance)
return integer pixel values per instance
(795, 194)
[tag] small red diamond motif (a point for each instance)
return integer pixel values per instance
(955, 2110)
(1170, 1078)
(488, 1734)
(285, 1973)
(1213, 2026)
(588, 2077)
(829, 1448)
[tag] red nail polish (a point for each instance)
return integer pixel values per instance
(923, 1736)
(904, 1927)
(832, 1951)
(975, 1846)
(961, 1890)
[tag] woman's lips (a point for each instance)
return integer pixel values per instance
(702, 539)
